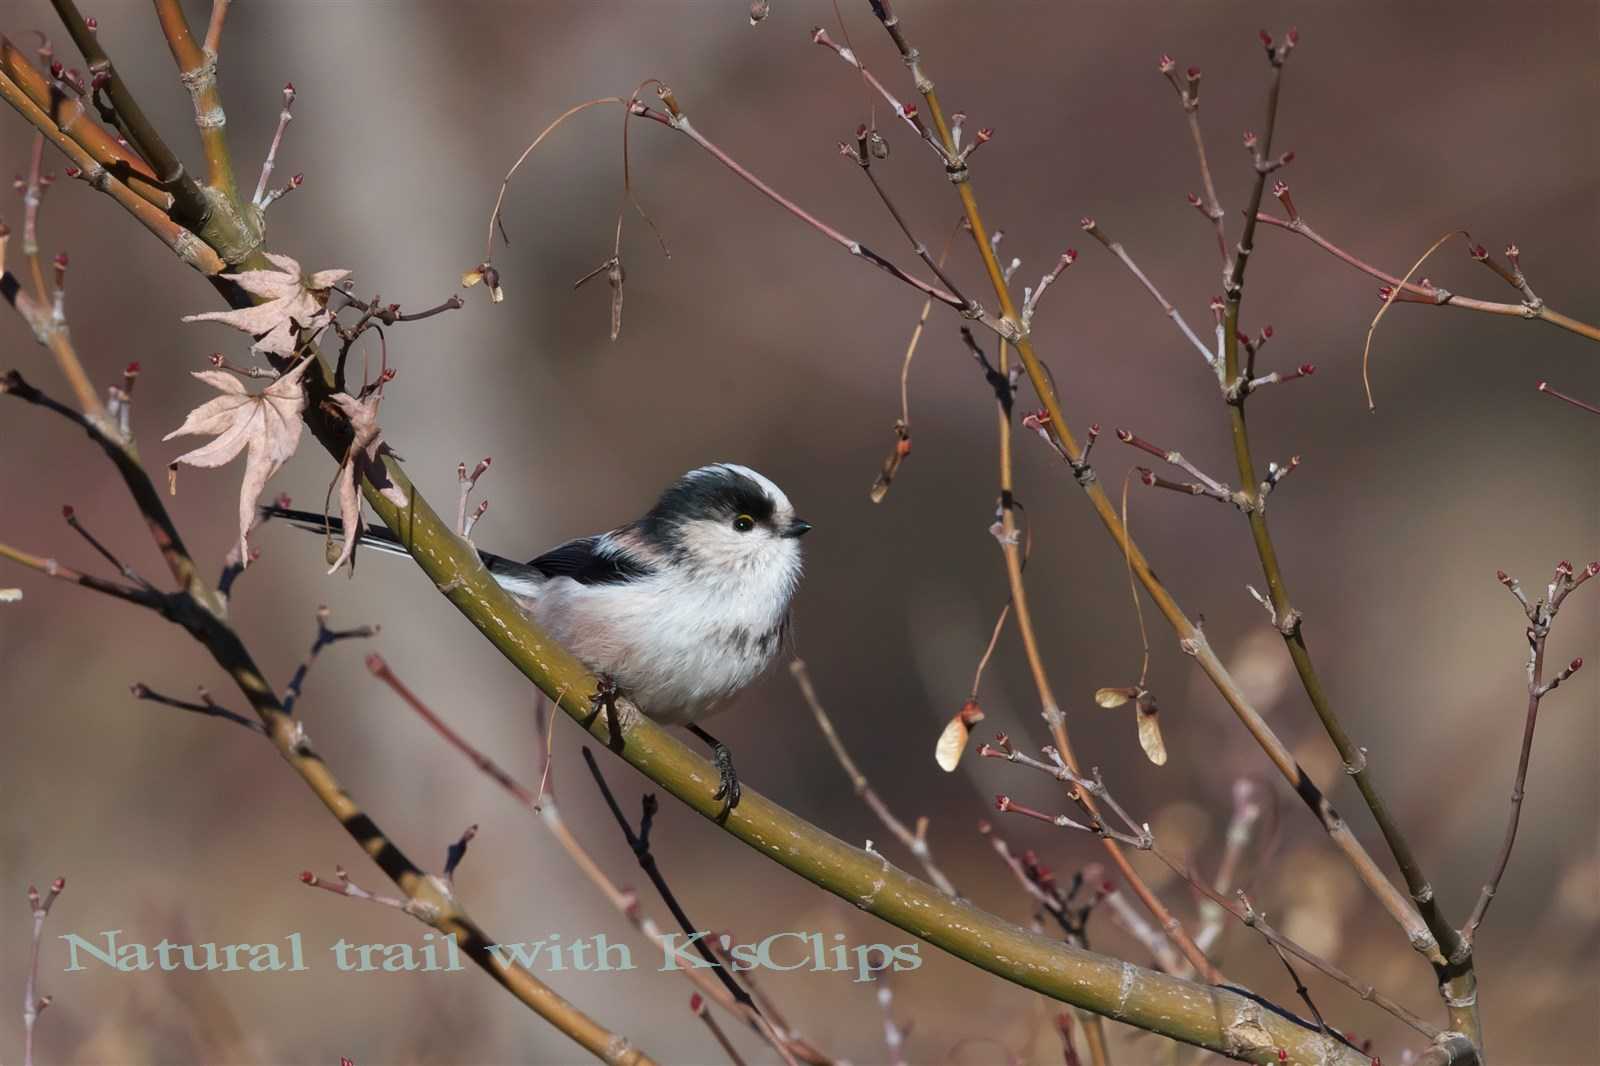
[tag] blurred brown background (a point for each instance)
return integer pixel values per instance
(760, 342)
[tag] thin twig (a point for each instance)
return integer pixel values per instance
(1437, 296)
(639, 843)
(1540, 614)
(207, 706)
(34, 1004)
(915, 842)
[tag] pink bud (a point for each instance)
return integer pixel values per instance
(68, 511)
(1194, 201)
(1167, 64)
(56, 68)
(307, 876)
(1294, 36)
(92, 22)
(1279, 188)
(1307, 369)
(1266, 331)
(1194, 73)
(131, 370)
(1576, 664)
(1002, 803)
(72, 171)
(1266, 38)
(1086, 222)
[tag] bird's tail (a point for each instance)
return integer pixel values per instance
(371, 536)
(376, 537)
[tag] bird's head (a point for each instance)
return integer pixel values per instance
(727, 517)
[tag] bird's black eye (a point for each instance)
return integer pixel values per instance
(744, 523)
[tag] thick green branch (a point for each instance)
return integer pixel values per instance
(1215, 1018)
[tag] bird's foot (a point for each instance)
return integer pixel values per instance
(605, 699)
(727, 779)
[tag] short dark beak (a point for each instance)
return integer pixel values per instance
(798, 528)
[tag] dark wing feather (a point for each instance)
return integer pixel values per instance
(596, 560)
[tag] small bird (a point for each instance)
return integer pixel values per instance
(679, 610)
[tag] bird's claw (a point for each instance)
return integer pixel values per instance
(605, 699)
(727, 780)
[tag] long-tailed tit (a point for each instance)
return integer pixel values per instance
(678, 610)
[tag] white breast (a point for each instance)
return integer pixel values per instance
(679, 646)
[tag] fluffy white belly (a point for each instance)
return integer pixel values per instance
(679, 656)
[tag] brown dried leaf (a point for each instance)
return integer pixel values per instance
(953, 740)
(1114, 697)
(1155, 749)
(891, 465)
(363, 459)
(264, 425)
(291, 303)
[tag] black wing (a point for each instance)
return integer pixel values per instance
(596, 560)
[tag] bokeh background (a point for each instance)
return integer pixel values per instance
(760, 342)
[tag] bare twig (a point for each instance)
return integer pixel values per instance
(1437, 296)
(325, 637)
(1093, 229)
(206, 706)
(639, 843)
(34, 1004)
(1541, 614)
(915, 842)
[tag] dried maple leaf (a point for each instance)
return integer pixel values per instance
(291, 303)
(363, 459)
(264, 425)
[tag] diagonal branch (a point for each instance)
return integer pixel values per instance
(1453, 963)
(189, 205)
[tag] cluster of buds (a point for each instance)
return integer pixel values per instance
(1278, 51)
(1187, 87)
(468, 482)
